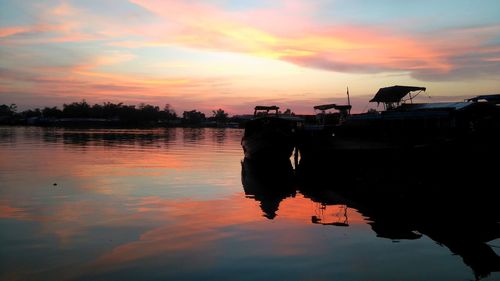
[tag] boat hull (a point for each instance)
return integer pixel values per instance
(362, 165)
(269, 138)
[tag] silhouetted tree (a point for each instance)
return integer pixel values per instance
(193, 117)
(219, 115)
(8, 110)
(148, 113)
(77, 110)
(32, 113)
(51, 112)
(97, 111)
(117, 112)
(112, 110)
(168, 113)
(288, 111)
(127, 113)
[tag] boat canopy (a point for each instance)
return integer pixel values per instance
(332, 106)
(261, 107)
(344, 107)
(495, 99)
(394, 94)
(325, 106)
(436, 106)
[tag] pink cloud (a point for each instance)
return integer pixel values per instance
(291, 37)
(285, 31)
(48, 85)
(8, 31)
(192, 226)
(59, 24)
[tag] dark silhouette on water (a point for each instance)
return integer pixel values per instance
(410, 132)
(464, 222)
(464, 227)
(112, 115)
(268, 182)
(269, 135)
(342, 217)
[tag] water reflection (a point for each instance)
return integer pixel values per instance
(464, 223)
(193, 135)
(268, 182)
(219, 135)
(342, 218)
(136, 204)
(100, 137)
(463, 226)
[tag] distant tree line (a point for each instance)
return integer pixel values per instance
(108, 111)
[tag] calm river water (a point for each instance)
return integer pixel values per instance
(180, 204)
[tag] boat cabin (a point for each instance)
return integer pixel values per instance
(332, 114)
(264, 110)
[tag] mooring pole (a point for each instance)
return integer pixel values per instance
(348, 100)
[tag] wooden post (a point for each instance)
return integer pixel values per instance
(348, 100)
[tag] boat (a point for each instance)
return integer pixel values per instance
(327, 117)
(447, 138)
(417, 170)
(315, 134)
(405, 123)
(269, 134)
(402, 119)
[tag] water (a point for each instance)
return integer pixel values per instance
(169, 204)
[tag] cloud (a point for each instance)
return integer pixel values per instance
(9, 31)
(203, 51)
(286, 31)
(43, 85)
(292, 37)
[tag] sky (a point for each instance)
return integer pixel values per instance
(233, 55)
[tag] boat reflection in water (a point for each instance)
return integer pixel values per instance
(268, 182)
(463, 228)
(465, 223)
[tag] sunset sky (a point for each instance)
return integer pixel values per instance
(234, 55)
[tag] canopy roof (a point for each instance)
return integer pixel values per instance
(489, 98)
(262, 107)
(436, 106)
(332, 106)
(394, 93)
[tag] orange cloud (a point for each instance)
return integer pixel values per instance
(192, 230)
(338, 48)
(9, 212)
(8, 31)
(272, 45)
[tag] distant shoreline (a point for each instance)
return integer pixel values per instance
(93, 123)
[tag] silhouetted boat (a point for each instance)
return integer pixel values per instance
(317, 134)
(447, 139)
(417, 123)
(329, 116)
(269, 135)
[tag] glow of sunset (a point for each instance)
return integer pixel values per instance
(234, 55)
